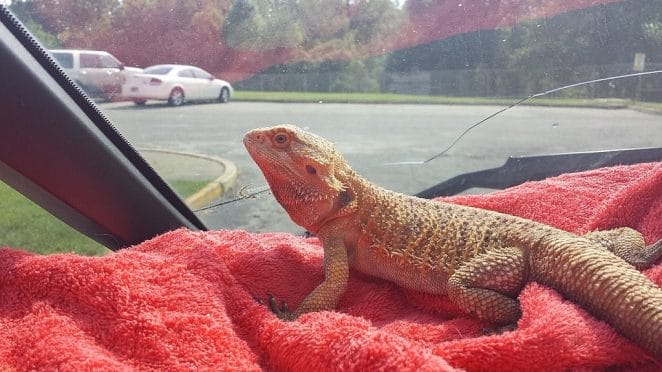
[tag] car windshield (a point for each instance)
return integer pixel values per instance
(158, 70)
(391, 82)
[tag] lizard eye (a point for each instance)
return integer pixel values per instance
(310, 169)
(281, 138)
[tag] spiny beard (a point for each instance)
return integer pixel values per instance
(299, 193)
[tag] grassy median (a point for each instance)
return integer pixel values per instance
(389, 98)
(25, 225)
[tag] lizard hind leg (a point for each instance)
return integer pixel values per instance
(629, 245)
(486, 285)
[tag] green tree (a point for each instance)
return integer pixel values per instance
(374, 21)
(572, 46)
(70, 21)
(167, 31)
(333, 36)
(25, 11)
(542, 53)
(47, 39)
(324, 20)
(317, 28)
(359, 75)
(263, 25)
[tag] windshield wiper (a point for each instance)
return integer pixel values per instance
(519, 169)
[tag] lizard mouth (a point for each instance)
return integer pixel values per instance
(252, 138)
(254, 144)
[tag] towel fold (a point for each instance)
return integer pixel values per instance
(187, 300)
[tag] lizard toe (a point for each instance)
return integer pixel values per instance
(282, 312)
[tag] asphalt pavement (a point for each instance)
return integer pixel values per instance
(372, 135)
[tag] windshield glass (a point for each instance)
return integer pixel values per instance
(391, 82)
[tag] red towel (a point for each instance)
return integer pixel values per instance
(185, 300)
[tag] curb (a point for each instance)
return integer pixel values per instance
(646, 110)
(214, 189)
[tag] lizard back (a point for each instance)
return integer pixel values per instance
(419, 243)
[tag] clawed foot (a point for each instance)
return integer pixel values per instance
(282, 312)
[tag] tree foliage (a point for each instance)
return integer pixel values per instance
(263, 24)
(317, 29)
(546, 43)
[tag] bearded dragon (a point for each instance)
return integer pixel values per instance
(481, 259)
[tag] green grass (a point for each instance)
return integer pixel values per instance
(25, 225)
(648, 106)
(185, 188)
(389, 98)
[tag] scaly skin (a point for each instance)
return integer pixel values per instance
(480, 259)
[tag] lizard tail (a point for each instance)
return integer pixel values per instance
(607, 286)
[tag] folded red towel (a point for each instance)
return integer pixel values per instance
(185, 299)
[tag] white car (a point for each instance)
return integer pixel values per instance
(97, 72)
(176, 84)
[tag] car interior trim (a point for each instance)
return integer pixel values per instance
(59, 150)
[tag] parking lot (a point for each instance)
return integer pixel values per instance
(372, 135)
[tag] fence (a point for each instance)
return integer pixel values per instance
(477, 82)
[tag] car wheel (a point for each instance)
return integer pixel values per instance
(176, 97)
(224, 96)
(140, 102)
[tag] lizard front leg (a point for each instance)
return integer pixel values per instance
(328, 293)
(486, 285)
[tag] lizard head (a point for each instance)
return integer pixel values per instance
(304, 171)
